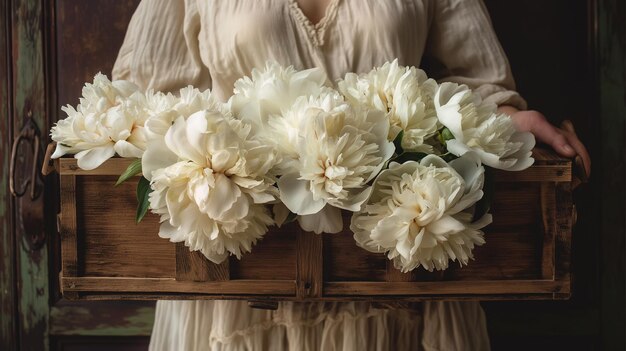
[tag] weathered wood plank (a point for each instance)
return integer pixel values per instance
(193, 266)
(310, 265)
(537, 173)
(380, 299)
(395, 275)
(101, 318)
(29, 102)
(8, 296)
(163, 287)
(563, 236)
(114, 166)
(69, 228)
(548, 218)
(487, 287)
(167, 285)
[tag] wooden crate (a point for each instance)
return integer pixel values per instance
(105, 255)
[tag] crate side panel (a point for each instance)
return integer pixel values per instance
(272, 258)
(112, 244)
(344, 261)
(514, 240)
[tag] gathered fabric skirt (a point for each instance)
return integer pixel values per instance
(233, 325)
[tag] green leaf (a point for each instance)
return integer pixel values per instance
(484, 204)
(444, 135)
(133, 169)
(291, 217)
(143, 193)
(398, 142)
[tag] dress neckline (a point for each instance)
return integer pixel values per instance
(315, 31)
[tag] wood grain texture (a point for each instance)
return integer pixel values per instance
(112, 167)
(516, 251)
(100, 318)
(310, 265)
(158, 286)
(69, 228)
(395, 275)
(193, 266)
(548, 218)
(8, 285)
(88, 37)
(111, 243)
(477, 288)
(29, 104)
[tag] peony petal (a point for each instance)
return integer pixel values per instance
(222, 197)
(176, 140)
(354, 201)
(457, 147)
(445, 225)
(126, 149)
(60, 150)
(328, 220)
(295, 194)
(156, 156)
(93, 158)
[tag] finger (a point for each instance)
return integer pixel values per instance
(568, 126)
(561, 145)
(549, 134)
(581, 150)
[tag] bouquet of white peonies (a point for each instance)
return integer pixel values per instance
(405, 154)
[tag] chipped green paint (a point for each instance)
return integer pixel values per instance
(7, 275)
(102, 319)
(29, 100)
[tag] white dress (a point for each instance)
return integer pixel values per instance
(211, 43)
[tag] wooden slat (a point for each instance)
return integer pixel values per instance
(193, 266)
(395, 275)
(114, 166)
(537, 173)
(487, 287)
(111, 244)
(548, 214)
(9, 323)
(156, 286)
(563, 237)
(68, 227)
(309, 276)
(380, 299)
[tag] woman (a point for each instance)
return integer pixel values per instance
(210, 44)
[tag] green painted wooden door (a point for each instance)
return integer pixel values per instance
(49, 48)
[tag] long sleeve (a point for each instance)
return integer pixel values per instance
(463, 48)
(161, 49)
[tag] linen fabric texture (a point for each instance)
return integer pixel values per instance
(210, 44)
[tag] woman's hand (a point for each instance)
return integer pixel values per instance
(563, 140)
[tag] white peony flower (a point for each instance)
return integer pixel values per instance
(106, 121)
(163, 110)
(476, 126)
(271, 91)
(404, 94)
(210, 184)
(338, 149)
(415, 213)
